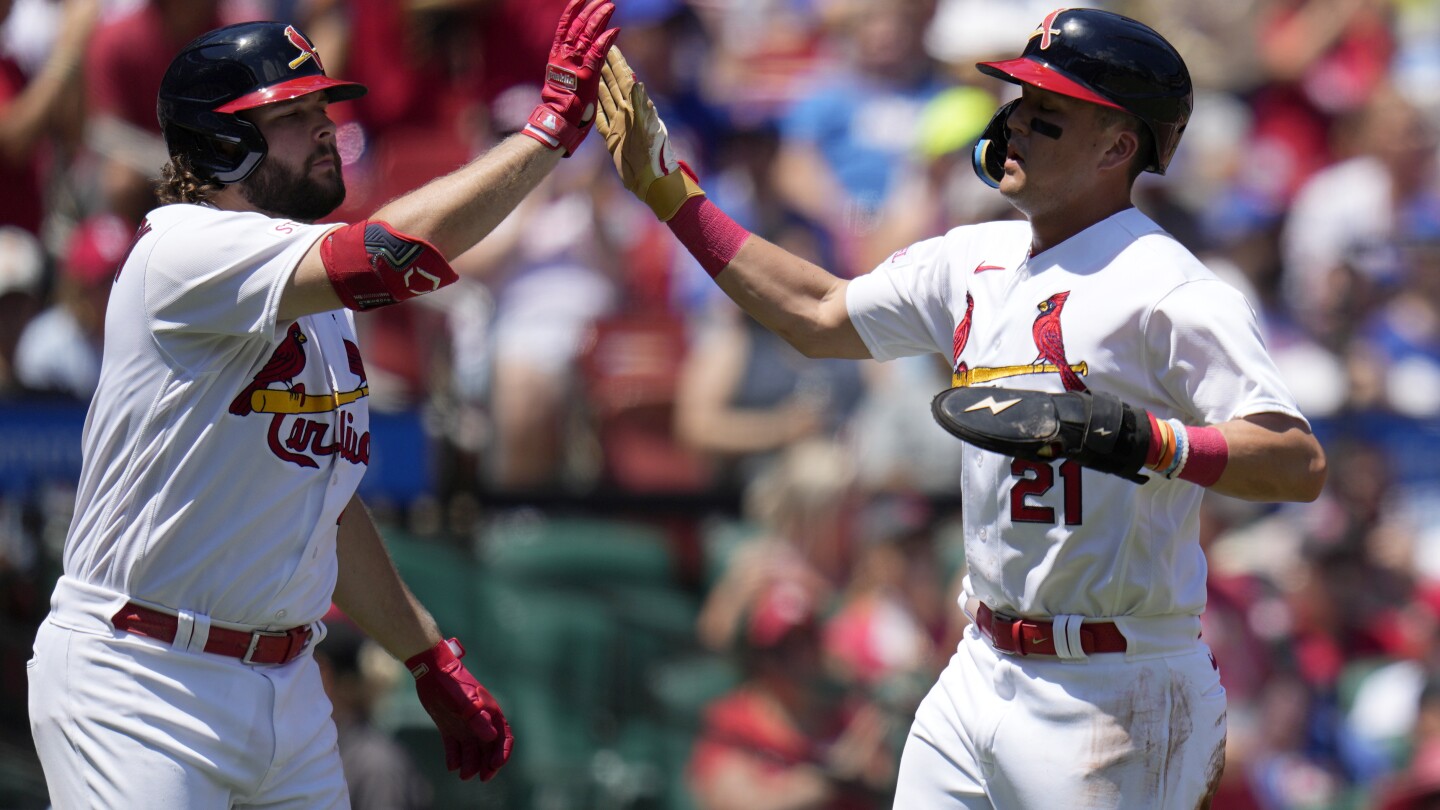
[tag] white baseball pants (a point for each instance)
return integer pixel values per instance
(1111, 732)
(121, 720)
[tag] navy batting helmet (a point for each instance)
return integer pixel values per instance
(235, 68)
(1106, 59)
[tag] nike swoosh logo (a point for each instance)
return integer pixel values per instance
(982, 267)
(992, 404)
(1102, 431)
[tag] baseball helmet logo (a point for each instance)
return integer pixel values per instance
(307, 51)
(1047, 29)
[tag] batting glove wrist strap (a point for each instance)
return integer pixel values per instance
(667, 193)
(572, 76)
(1095, 429)
(476, 735)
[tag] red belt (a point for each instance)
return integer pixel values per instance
(1027, 637)
(250, 646)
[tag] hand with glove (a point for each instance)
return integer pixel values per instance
(477, 737)
(572, 77)
(1095, 429)
(639, 143)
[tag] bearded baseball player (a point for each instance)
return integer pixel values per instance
(1103, 379)
(216, 517)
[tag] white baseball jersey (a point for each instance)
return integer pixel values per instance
(222, 444)
(1121, 308)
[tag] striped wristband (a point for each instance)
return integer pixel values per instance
(1194, 454)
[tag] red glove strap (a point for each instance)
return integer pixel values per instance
(435, 659)
(1209, 453)
(548, 127)
(711, 236)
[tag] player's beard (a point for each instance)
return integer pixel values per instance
(278, 189)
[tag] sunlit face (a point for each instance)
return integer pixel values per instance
(300, 177)
(1042, 172)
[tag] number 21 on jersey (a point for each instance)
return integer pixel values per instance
(1034, 480)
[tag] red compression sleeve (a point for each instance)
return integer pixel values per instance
(711, 236)
(1209, 453)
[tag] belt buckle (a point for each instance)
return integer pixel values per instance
(255, 636)
(1012, 626)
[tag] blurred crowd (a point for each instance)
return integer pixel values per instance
(582, 353)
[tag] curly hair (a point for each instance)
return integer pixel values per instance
(178, 183)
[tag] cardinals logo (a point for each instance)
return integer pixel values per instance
(962, 337)
(1049, 346)
(295, 434)
(1046, 31)
(1050, 342)
(285, 365)
(307, 51)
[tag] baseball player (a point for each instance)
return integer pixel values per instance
(216, 517)
(1103, 379)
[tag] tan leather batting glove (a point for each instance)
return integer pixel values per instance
(639, 143)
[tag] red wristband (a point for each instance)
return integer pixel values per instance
(711, 236)
(1209, 453)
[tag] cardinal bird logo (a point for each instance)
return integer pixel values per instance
(284, 365)
(307, 51)
(962, 336)
(352, 356)
(1050, 341)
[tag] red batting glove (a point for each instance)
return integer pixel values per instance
(572, 78)
(477, 738)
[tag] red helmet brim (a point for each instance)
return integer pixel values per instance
(1023, 70)
(294, 88)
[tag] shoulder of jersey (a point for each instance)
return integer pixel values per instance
(1161, 255)
(208, 224)
(988, 246)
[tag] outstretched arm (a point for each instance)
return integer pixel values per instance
(451, 213)
(797, 300)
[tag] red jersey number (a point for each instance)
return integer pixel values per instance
(1035, 479)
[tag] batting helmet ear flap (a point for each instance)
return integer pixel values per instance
(988, 156)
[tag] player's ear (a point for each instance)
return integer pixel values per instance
(1124, 144)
